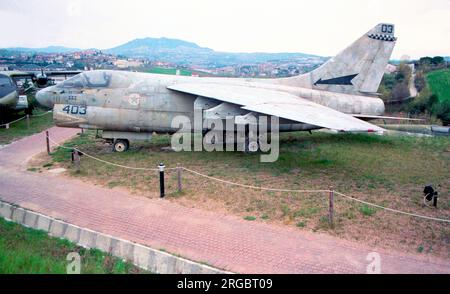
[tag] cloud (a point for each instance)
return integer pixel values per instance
(322, 27)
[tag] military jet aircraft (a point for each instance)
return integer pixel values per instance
(340, 95)
(12, 92)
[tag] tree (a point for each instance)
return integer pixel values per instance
(403, 73)
(419, 81)
(425, 60)
(400, 91)
(79, 65)
(437, 60)
(433, 100)
(388, 81)
(442, 111)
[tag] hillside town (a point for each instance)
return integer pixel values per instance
(97, 59)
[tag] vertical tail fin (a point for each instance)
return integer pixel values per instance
(358, 69)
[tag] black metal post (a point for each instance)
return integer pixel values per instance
(331, 207)
(435, 197)
(47, 139)
(161, 179)
(179, 177)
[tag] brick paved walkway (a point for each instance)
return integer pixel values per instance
(222, 241)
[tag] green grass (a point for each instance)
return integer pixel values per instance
(348, 161)
(250, 218)
(367, 210)
(19, 130)
(168, 71)
(439, 82)
(386, 170)
(24, 250)
(301, 224)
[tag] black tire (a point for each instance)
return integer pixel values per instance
(121, 145)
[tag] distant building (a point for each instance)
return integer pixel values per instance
(122, 63)
(390, 68)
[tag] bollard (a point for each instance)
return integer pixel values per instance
(7, 126)
(28, 121)
(179, 177)
(435, 199)
(48, 142)
(331, 207)
(82, 131)
(161, 179)
(76, 158)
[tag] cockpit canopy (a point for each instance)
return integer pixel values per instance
(5, 80)
(97, 79)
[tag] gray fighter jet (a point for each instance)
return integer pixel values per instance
(13, 89)
(340, 95)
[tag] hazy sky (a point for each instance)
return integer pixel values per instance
(313, 26)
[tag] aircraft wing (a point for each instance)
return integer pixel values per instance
(279, 104)
(22, 74)
(62, 73)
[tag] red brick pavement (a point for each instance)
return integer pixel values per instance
(222, 241)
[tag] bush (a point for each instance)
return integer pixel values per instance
(419, 81)
(421, 103)
(388, 81)
(367, 210)
(403, 73)
(400, 91)
(442, 111)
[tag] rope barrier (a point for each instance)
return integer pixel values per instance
(42, 114)
(24, 117)
(104, 161)
(391, 209)
(316, 191)
(14, 121)
(255, 187)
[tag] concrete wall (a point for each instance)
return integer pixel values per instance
(142, 256)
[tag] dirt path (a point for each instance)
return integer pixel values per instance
(222, 241)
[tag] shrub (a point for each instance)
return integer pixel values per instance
(367, 210)
(400, 91)
(442, 111)
(419, 81)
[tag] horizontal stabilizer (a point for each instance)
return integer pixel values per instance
(370, 117)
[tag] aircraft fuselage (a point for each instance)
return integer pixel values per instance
(141, 102)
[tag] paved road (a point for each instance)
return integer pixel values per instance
(222, 241)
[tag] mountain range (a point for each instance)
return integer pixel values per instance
(49, 49)
(178, 51)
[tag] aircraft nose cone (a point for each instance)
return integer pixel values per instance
(44, 98)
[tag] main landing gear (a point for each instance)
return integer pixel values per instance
(121, 145)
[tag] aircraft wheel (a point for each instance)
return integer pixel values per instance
(121, 145)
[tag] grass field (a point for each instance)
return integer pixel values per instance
(168, 71)
(439, 82)
(389, 171)
(20, 129)
(28, 251)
